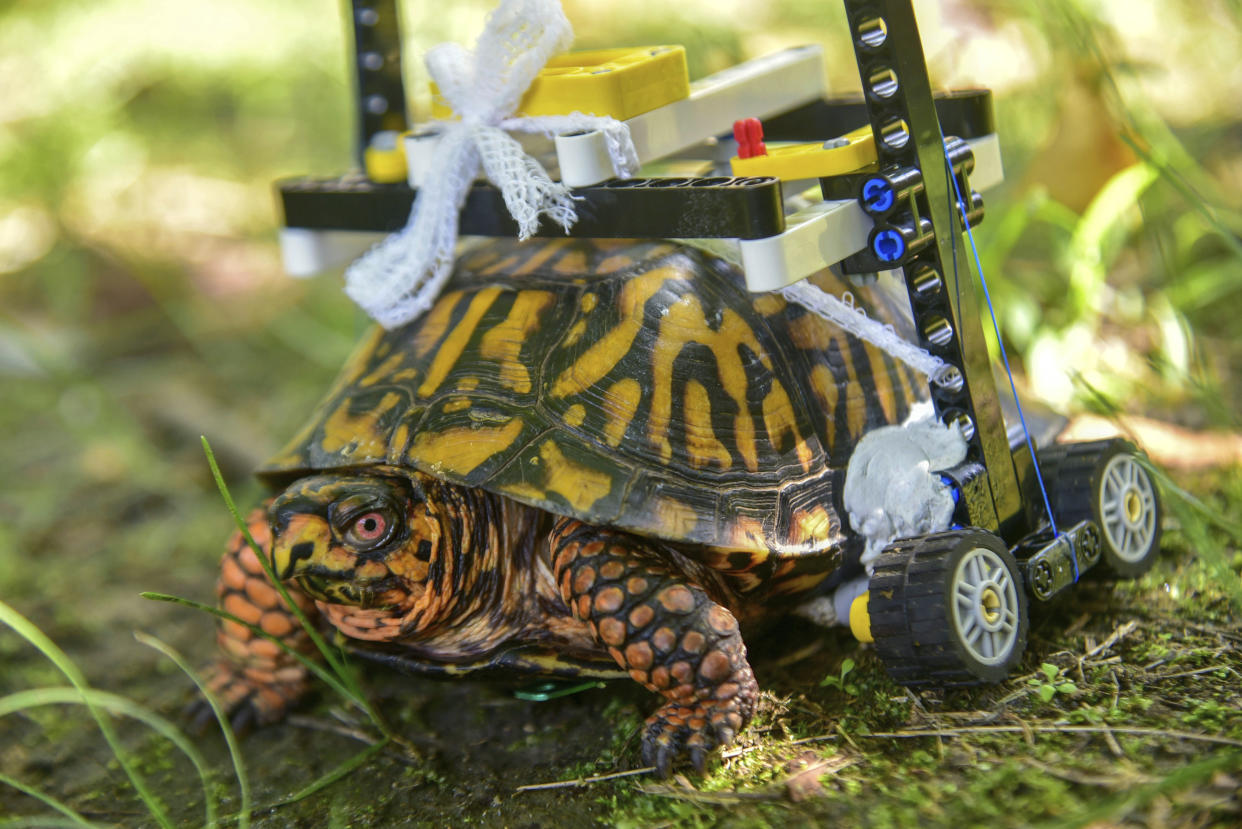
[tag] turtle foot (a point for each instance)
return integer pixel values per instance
(693, 731)
(662, 626)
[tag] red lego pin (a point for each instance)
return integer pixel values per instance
(748, 133)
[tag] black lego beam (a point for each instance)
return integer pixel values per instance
(938, 277)
(966, 113)
(681, 208)
(377, 70)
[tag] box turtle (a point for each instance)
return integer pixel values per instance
(589, 458)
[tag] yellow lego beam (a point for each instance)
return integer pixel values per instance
(846, 154)
(618, 82)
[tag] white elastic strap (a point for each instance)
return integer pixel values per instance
(400, 278)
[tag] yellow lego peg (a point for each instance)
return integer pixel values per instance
(860, 618)
(384, 159)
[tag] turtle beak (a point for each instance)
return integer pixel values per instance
(301, 541)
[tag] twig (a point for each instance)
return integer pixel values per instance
(1044, 729)
(1206, 670)
(719, 798)
(1077, 776)
(1233, 632)
(583, 781)
(846, 737)
(600, 778)
(1017, 693)
(1120, 633)
(314, 724)
(1113, 745)
(1078, 624)
(408, 753)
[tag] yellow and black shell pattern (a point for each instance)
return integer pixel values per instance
(630, 384)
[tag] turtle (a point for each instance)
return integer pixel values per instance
(589, 458)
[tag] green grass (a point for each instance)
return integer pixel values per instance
(66, 666)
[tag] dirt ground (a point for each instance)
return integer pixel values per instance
(1155, 695)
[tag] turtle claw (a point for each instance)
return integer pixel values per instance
(659, 757)
(199, 714)
(698, 759)
(692, 732)
(244, 717)
(248, 702)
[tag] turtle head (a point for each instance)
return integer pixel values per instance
(359, 539)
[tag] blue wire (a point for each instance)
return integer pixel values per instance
(1004, 357)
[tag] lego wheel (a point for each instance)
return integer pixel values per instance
(948, 609)
(1107, 481)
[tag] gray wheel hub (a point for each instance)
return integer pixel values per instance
(985, 606)
(1127, 508)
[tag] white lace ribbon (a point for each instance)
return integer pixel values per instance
(400, 277)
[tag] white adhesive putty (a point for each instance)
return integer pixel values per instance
(892, 490)
(891, 486)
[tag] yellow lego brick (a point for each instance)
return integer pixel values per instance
(617, 82)
(800, 161)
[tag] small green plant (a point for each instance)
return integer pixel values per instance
(839, 682)
(1048, 683)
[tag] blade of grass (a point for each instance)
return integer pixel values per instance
(331, 777)
(1194, 516)
(1206, 513)
(1195, 199)
(27, 630)
(1110, 408)
(1096, 238)
(72, 817)
(338, 665)
(239, 765)
(50, 822)
(118, 704)
(311, 665)
(1145, 133)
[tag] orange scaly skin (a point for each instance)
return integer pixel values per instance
(666, 631)
(254, 679)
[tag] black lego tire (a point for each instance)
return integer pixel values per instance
(917, 625)
(1105, 481)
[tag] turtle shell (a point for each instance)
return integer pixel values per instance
(629, 384)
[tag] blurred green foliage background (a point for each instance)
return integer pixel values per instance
(142, 302)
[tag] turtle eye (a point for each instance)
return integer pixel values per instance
(368, 530)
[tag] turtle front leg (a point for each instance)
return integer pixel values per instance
(255, 679)
(666, 631)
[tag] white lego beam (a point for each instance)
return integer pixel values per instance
(308, 252)
(989, 171)
(825, 233)
(758, 88)
(815, 237)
